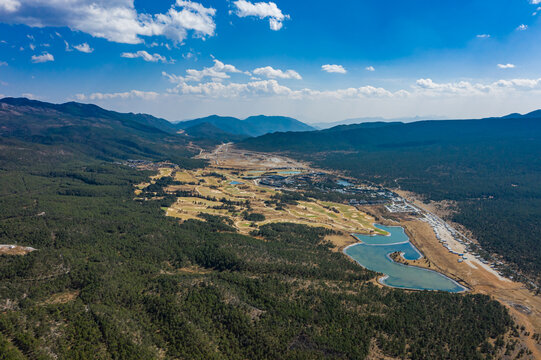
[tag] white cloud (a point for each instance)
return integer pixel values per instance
(9, 6)
(145, 56)
(522, 27)
(535, 2)
(272, 73)
(114, 20)
(145, 95)
(218, 89)
(45, 57)
(333, 69)
(32, 47)
(261, 10)
(370, 68)
(29, 96)
(519, 84)
(3, 63)
(427, 87)
(84, 47)
(506, 66)
(483, 36)
(218, 72)
(458, 99)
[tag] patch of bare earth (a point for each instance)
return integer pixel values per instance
(15, 250)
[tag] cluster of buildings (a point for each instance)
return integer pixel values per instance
(146, 164)
(360, 194)
(451, 239)
(399, 205)
(458, 244)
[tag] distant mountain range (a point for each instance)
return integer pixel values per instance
(232, 127)
(377, 119)
(371, 135)
(89, 130)
(72, 114)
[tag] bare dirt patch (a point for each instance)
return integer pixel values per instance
(15, 250)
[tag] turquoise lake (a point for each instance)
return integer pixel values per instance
(373, 254)
(343, 182)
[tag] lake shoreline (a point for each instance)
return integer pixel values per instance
(418, 280)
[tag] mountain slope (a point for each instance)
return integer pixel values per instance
(251, 126)
(90, 130)
(208, 131)
(368, 120)
(92, 111)
(382, 135)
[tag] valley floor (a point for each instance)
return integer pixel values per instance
(230, 187)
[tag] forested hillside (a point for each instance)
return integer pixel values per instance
(251, 126)
(113, 278)
(491, 168)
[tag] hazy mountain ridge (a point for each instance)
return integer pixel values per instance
(88, 111)
(395, 134)
(90, 130)
(251, 126)
(373, 119)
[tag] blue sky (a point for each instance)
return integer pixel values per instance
(314, 60)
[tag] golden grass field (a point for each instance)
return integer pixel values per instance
(339, 217)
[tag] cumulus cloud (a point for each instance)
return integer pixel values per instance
(519, 84)
(45, 57)
(258, 87)
(9, 6)
(370, 68)
(483, 36)
(333, 69)
(145, 95)
(261, 10)
(218, 72)
(114, 20)
(421, 90)
(219, 89)
(145, 56)
(84, 47)
(427, 87)
(522, 27)
(506, 66)
(272, 73)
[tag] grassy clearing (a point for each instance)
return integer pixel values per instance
(163, 172)
(184, 176)
(230, 200)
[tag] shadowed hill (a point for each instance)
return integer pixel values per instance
(251, 126)
(90, 130)
(386, 135)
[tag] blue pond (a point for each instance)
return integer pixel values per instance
(236, 182)
(373, 253)
(344, 183)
